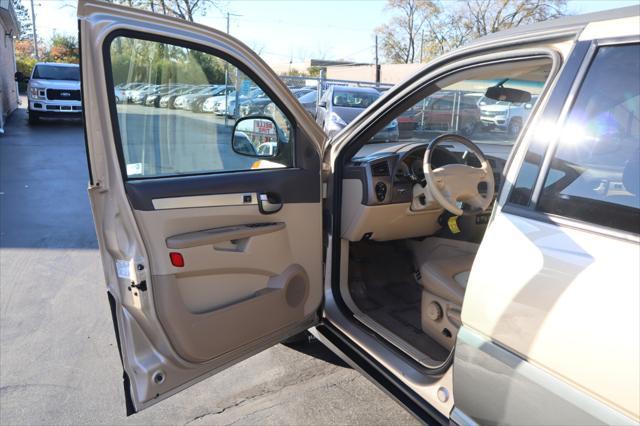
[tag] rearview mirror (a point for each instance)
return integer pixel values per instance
(255, 137)
(499, 93)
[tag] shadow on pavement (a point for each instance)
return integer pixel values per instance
(316, 349)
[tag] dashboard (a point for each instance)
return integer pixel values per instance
(389, 171)
(380, 187)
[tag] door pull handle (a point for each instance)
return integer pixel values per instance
(269, 203)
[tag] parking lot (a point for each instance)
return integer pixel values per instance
(58, 358)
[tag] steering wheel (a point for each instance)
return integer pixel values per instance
(455, 183)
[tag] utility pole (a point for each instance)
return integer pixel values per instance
(35, 33)
(377, 64)
(226, 82)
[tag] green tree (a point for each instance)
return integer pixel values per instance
(63, 48)
(314, 71)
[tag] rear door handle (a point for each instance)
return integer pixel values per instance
(269, 203)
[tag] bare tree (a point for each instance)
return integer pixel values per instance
(448, 25)
(185, 9)
(399, 38)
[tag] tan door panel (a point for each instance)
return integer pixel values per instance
(265, 285)
(200, 337)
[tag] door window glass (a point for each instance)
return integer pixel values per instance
(176, 109)
(595, 172)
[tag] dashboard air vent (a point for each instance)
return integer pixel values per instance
(380, 169)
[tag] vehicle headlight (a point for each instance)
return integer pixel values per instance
(34, 92)
(335, 118)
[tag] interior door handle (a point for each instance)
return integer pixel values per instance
(269, 203)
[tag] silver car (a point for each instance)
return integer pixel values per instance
(340, 105)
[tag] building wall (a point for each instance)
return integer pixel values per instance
(389, 73)
(8, 87)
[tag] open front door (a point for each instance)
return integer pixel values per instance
(210, 232)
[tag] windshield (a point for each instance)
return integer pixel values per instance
(354, 99)
(309, 97)
(211, 90)
(300, 93)
(55, 72)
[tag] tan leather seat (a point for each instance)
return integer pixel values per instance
(447, 277)
(444, 268)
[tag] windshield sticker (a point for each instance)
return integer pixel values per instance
(134, 169)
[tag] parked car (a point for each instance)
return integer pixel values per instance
(153, 99)
(168, 101)
(309, 101)
(505, 116)
(53, 90)
(258, 102)
(138, 92)
(139, 96)
(200, 97)
(342, 104)
(255, 104)
(119, 95)
(474, 282)
(181, 100)
(451, 110)
(127, 89)
(217, 102)
(304, 97)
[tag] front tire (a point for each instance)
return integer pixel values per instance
(34, 118)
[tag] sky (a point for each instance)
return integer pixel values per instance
(284, 30)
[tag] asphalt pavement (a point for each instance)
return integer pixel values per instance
(58, 357)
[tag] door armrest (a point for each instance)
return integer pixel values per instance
(218, 235)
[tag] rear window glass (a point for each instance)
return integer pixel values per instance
(354, 99)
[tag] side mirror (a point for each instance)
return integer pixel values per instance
(255, 137)
(499, 93)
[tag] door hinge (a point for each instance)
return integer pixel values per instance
(142, 285)
(97, 186)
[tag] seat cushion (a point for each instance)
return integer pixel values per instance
(444, 266)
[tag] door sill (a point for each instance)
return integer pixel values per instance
(392, 338)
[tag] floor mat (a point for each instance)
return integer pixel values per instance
(401, 316)
(388, 294)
